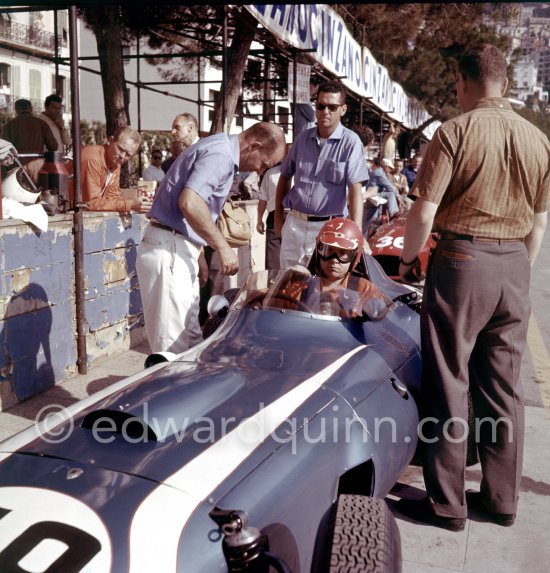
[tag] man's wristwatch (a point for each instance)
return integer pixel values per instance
(402, 262)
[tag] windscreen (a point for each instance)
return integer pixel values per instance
(297, 290)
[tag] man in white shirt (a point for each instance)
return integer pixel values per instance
(266, 203)
(154, 172)
(185, 128)
(53, 116)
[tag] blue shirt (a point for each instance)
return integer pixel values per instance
(378, 178)
(322, 175)
(208, 168)
(410, 174)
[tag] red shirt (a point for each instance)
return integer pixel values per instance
(101, 188)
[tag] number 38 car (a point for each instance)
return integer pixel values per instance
(269, 446)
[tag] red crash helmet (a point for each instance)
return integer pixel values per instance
(344, 234)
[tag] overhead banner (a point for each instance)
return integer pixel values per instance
(320, 30)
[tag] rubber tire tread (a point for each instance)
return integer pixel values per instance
(363, 537)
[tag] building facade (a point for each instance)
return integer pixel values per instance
(28, 44)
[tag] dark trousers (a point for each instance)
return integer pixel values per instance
(272, 244)
(205, 291)
(474, 322)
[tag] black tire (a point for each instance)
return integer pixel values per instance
(362, 537)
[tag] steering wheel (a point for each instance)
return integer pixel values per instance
(281, 296)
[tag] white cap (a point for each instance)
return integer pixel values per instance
(387, 162)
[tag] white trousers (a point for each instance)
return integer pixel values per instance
(298, 241)
(167, 269)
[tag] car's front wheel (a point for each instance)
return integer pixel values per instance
(362, 537)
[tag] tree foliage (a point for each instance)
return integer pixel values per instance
(181, 30)
(106, 22)
(418, 44)
(541, 120)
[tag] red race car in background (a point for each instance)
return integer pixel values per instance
(386, 244)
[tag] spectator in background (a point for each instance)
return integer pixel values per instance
(266, 202)
(305, 117)
(185, 129)
(153, 172)
(401, 184)
(366, 135)
(410, 171)
(380, 180)
(53, 116)
(100, 166)
(328, 165)
(389, 142)
(176, 147)
(29, 134)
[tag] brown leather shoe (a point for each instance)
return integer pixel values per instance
(475, 502)
(422, 510)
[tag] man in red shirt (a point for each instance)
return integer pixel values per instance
(101, 173)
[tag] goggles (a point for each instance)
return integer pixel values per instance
(327, 252)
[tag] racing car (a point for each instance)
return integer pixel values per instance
(386, 244)
(268, 446)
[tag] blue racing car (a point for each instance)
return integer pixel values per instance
(270, 446)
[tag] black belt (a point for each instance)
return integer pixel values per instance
(458, 237)
(161, 226)
(312, 218)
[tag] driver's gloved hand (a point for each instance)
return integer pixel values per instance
(375, 309)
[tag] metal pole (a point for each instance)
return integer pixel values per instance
(267, 86)
(56, 50)
(140, 165)
(225, 74)
(294, 110)
(199, 94)
(78, 224)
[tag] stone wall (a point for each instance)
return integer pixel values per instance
(37, 299)
(38, 341)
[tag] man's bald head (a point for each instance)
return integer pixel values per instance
(261, 146)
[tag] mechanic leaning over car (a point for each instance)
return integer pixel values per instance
(484, 186)
(338, 249)
(183, 220)
(328, 167)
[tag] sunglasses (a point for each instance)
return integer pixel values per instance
(157, 156)
(327, 252)
(331, 106)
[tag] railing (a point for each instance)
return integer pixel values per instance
(29, 35)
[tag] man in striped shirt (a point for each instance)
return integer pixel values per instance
(484, 186)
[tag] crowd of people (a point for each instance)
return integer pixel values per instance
(483, 185)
